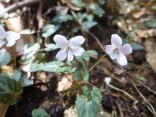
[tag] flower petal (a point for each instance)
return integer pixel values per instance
(11, 37)
(77, 51)
(70, 56)
(126, 49)
(113, 55)
(2, 33)
(2, 43)
(10, 43)
(116, 40)
(61, 55)
(77, 41)
(121, 59)
(61, 41)
(109, 49)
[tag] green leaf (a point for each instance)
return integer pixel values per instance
(102, 2)
(76, 75)
(27, 32)
(82, 71)
(92, 53)
(4, 57)
(87, 92)
(97, 10)
(88, 24)
(9, 89)
(137, 46)
(86, 108)
(50, 47)
(27, 61)
(49, 29)
(55, 66)
(23, 80)
(78, 3)
(63, 18)
(150, 23)
(39, 113)
(96, 95)
(86, 56)
(16, 74)
(85, 73)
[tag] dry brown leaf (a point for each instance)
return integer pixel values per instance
(151, 53)
(138, 13)
(151, 59)
(65, 83)
(8, 70)
(3, 109)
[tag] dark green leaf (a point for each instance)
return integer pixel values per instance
(50, 47)
(86, 108)
(88, 24)
(49, 29)
(39, 113)
(9, 89)
(150, 23)
(4, 57)
(63, 18)
(78, 3)
(96, 95)
(137, 46)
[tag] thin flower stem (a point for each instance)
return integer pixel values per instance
(97, 62)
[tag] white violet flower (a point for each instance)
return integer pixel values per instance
(117, 51)
(8, 36)
(69, 48)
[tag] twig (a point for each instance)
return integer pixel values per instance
(149, 105)
(148, 88)
(126, 93)
(97, 62)
(18, 5)
(75, 16)
(39, 14)
(120, 109)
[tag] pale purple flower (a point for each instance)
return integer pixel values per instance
(117, 51)
(8, 37)
(69, 48)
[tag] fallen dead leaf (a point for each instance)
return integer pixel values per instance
(138, 13)
(65, 83)
(151, 53)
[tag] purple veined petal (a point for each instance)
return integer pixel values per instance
(114, 55)
(70, 56)
(77, 41)
(61, 41)
(121, 59)
(126, 49)
(116, 40)
(77, 51)
(12, 36)
(2, 33)
(61, 55)
(109, 49)
(2, 43)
